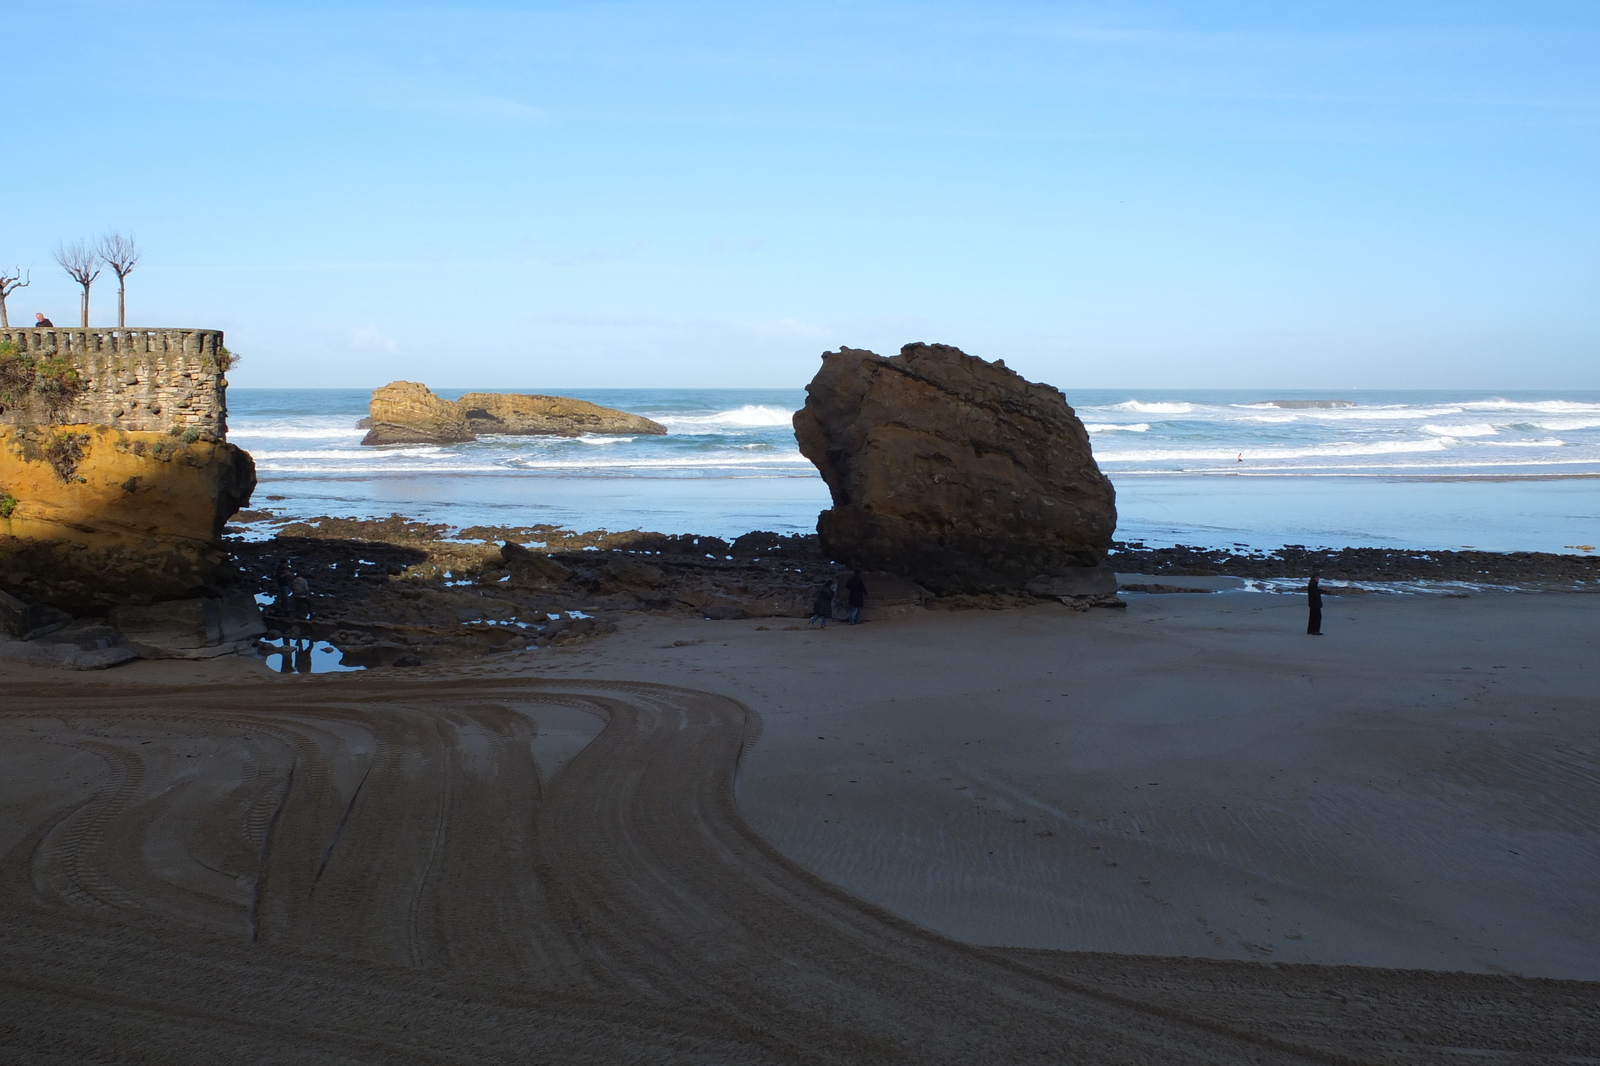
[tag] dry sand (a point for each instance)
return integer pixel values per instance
(210, 863)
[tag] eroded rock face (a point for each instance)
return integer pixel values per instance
(100, 516)
(404, 412)
(555, 416)
(956, 473)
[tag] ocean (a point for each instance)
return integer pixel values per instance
(1508, 471)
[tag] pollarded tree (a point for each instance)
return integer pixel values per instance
(80, 260)
(121, 254)
(10, 282)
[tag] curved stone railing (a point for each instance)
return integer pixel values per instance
(161, 380)
(71, 341)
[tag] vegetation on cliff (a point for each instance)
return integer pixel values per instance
(37, 385)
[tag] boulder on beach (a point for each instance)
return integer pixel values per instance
(405, 412)
(958, 474)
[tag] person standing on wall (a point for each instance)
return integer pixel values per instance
(1314, 601)
(856, 591)
(42, 322)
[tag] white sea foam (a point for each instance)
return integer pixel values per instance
(1259, 455)
(748, 415)
(1550, 406)
(1153, 408)
(254, 430)
(1543, 442)
(1477, 429)
(1560, 425)
(1116, 427)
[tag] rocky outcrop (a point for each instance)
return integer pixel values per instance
(957, 474)
(553, 416)
(200, 628)
(404, 412)
(92, 516)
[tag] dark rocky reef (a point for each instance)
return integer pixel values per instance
(958, 474)
(404, 412)
(400, 592)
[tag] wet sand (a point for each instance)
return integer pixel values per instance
(864, 845)
(1419, 787)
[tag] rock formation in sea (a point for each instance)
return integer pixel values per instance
(958, 474)
(115, 479)
(404, 412)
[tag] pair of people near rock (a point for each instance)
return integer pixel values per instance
(294, 592)
(822, 605)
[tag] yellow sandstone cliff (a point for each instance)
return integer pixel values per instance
(95, 512)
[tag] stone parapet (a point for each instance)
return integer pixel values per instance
(137, 380)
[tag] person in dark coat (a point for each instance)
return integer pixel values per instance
(1314, 601)
(282, 578)
(856, 591)
(41, 322)
(822, 604)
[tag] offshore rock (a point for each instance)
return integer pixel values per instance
(551, 416)
(958, 474)
(404, 412)
(96, 516)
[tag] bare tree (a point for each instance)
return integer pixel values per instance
(10, 283)
(121, 254)
(79, 260)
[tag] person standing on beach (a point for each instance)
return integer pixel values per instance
(1314, 601)
(856, 590)
(281, 579)
(300, 597)
(822, 604)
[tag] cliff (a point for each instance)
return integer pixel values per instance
(114, 478)
(404, 412)
(956, 473)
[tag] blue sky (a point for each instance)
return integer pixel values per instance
(1230, 194)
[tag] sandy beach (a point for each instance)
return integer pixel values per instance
(1186, 832)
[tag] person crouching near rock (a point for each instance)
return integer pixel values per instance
(856, 591)
(822, 604)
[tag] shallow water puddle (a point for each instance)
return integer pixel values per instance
(290, 656)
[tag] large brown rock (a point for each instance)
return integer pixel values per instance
(404, 412)
(91, 515)
(552, 416)
(956, 473)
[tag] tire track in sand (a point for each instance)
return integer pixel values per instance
(624, 911)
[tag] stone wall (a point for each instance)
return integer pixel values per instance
(138, 380)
